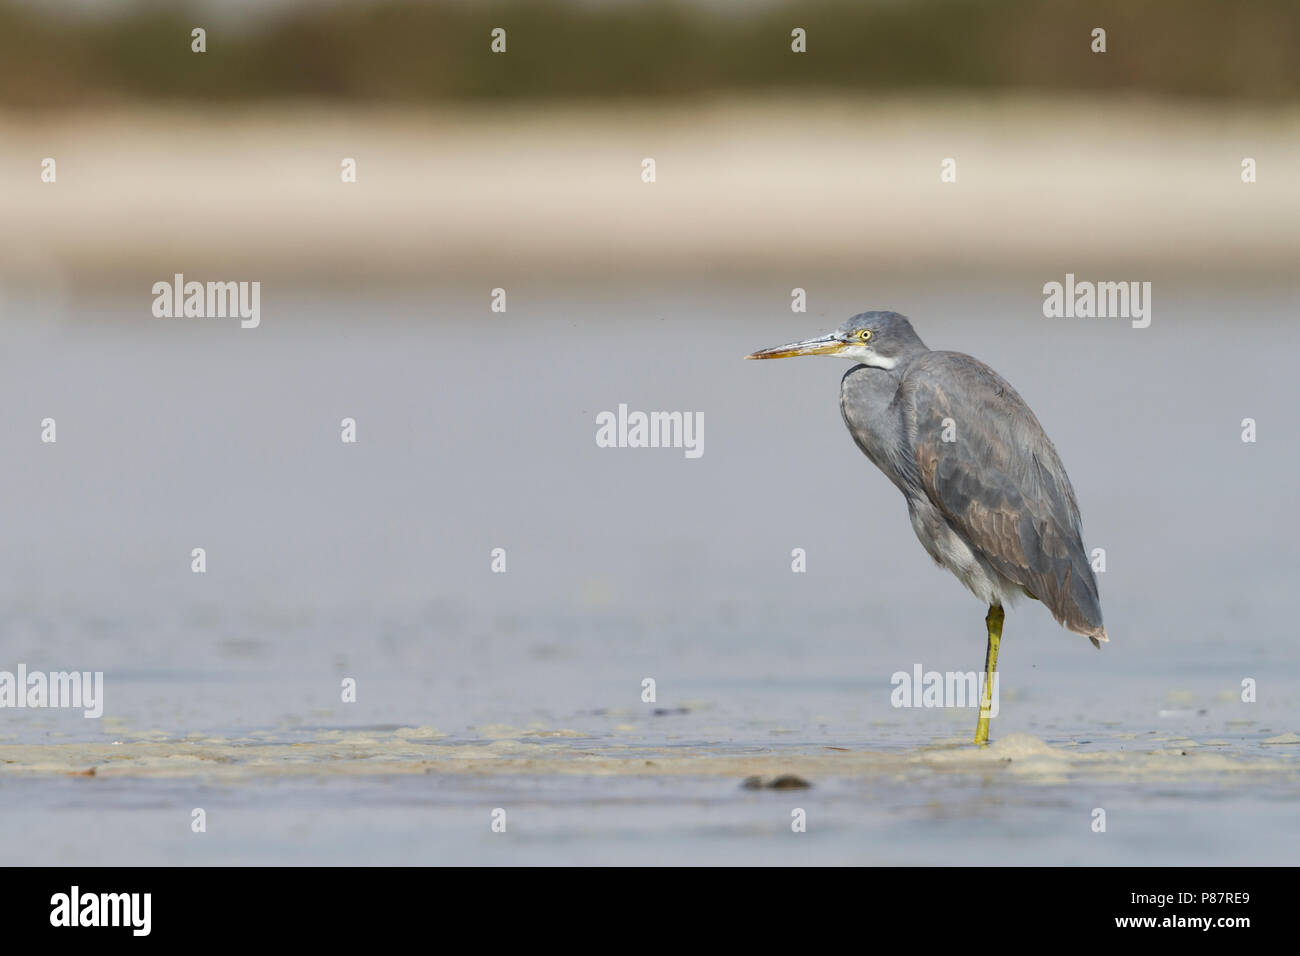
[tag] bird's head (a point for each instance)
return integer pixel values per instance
(878, 339)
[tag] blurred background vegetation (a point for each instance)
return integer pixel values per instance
(772, 162)
(396, 51)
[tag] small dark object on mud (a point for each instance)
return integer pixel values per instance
(786, 781)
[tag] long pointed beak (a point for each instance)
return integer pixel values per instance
(822, 345)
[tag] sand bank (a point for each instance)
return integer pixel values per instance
(790, 184)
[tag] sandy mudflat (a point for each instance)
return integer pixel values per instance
(543, 753)
(408, 796)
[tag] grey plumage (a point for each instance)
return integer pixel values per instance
(986, 491)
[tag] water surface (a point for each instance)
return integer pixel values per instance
(523, 690)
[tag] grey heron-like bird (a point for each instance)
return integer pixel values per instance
(986, 491)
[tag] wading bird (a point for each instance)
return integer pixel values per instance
(986, 491)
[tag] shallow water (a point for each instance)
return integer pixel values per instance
(523, 690)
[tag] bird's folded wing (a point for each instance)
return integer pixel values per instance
(985, 462)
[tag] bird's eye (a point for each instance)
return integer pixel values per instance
(864, 335)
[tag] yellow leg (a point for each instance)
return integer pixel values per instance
(994, 624)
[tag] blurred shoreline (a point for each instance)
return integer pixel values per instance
(798, 185)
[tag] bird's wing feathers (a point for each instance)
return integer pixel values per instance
(985, 462)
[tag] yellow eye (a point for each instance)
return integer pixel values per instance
(864, 335)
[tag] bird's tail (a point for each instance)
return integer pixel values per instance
(1098, 637)
(1078, 605)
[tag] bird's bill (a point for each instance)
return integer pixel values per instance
(822, 345)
